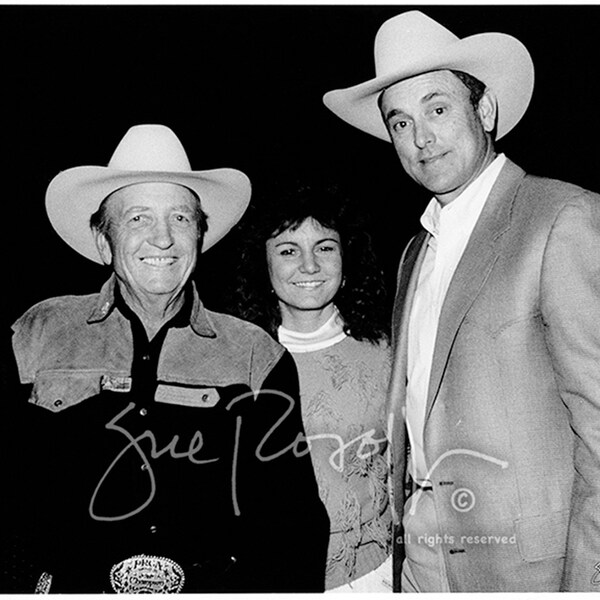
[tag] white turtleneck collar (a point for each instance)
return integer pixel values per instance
(330, 333)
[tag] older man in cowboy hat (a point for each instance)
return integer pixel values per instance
(497, 342)
(153, 443)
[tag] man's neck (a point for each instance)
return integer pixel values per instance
(152, 311)
(445, 199)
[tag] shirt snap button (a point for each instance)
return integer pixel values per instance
(58, 402)
(143, 412)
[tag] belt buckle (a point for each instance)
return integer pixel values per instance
(143, 574)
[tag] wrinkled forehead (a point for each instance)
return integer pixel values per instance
(422, 87)
(154, 196)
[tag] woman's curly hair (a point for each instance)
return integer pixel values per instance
(361, 300)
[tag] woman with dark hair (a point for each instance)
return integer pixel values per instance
(308, 276)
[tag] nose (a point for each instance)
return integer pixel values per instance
(423, 134)
(161, 235)
(309, 263)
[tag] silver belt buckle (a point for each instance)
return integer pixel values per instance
(142, 574)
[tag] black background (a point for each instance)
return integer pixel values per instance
(241, 86)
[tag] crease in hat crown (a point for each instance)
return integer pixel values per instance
(411, 35)
(150, 148)
(412, 43)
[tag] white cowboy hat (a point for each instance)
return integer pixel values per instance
(412, 43)
(147, 153)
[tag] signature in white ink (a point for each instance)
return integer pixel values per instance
(462, 505)
(366, 439)
(194, 446)
(300, 446)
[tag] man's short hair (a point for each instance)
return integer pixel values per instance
(476, 88)
(100, 220)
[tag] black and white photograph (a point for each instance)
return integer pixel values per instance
(300, 298)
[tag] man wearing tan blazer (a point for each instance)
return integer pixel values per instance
(494, 401)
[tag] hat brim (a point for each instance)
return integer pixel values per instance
(75, 194)
(500, 61)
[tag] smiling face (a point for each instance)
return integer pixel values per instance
(153, 239)
(305, 267)
(442, 141)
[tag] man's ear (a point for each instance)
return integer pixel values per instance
(488, 111)
(103, 246)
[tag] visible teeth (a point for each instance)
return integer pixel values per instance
(308, 284)
(158, 260)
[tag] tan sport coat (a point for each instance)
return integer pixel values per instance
(512, 429)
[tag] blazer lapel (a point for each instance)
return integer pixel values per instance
(408, 275)
(407, 282)
(472, 271)
(410, 264)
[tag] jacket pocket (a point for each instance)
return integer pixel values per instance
(57, 390)
(187, 396)
(543, 537)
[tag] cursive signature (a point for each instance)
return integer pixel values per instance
(194, 446)
(299, 447)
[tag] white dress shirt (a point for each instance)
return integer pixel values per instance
(450, 228)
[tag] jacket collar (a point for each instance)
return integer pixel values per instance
(199, 319)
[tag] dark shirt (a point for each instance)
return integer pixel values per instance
(192, 471)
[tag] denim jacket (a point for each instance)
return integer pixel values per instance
(73, 347)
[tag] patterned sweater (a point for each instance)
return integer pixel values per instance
(343, 391)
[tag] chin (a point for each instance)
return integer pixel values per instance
(316, 306)
(163, 289)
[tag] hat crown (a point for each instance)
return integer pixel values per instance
(407, 38)
(150, 148)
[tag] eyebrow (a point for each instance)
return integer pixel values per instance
(427, 98)
(327, 239)
(181, 207)
(393, 113)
